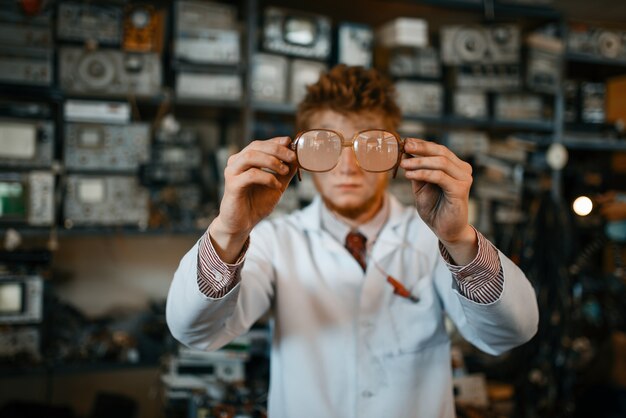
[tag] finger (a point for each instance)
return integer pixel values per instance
(251, 158)
(447, 183)
(278, 147)
(424, 148)
(256, 176)
(457, 169)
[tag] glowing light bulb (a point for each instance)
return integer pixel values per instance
(582, 206)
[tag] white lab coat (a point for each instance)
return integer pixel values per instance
(344, 345)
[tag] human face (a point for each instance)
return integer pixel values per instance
(347, 190)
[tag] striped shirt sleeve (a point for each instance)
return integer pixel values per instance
(215, 277)
(482, 280)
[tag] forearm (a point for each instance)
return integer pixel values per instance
(228, 246)
(464, 249)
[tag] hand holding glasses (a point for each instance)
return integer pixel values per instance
(319, 150)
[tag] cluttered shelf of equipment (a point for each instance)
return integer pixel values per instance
(139, 107)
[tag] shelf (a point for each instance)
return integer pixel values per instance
(44, 232)
(456, 122)
(8, 371)
(278, 108)
(229, 104)
(499, 9)
(592, 59)
(594, 144)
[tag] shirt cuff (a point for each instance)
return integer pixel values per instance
(482, 280)
(215, 277)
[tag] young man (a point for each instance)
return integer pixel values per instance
(348, 341)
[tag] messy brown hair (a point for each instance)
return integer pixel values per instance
(345, 89)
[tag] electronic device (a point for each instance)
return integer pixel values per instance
(269, 78)
(492, 77)
(21, 299)
(92, 146)
(470, 104)
(105, 201)
(301, 74)
(26, 143)
(96, 111)
(403, 32)
(109, 72)
(196, 16)
(592, 97)
(543, 70)
(27, 198)
(78, 21)
(417, 98)
(212, 86)
(597, 42)
(209, 46)
(143, 28)
(296, 33)
(28, 66)
(414, 62)
(354, 44)
(19, 342)
(22, 35)
(467, 44)
(616, 100)
(519, 107)
(18, 12)
(175, 205)
(34, 110)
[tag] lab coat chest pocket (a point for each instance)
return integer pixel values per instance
(418, 325)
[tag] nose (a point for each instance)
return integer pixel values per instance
(347, 162)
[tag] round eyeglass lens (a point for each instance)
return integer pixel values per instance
(318, 150)
(376, 150)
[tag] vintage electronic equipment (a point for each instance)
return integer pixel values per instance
(109, 72)
(519, 107)
(22, 35)
(414, 62)
(296, 33)
(27, 198)
(79, 21)
(467, 44)
(199, 15)
(26, 143)
(471, 104)
(354, 44)
(210, 46)
(269, 78)
(403, 32)
(19, 12)
(143, 28)
(175, 206)
(27, 109)
(543, 70)
(592, 98)
(225, 364)
(417, 98)
(28, 66)
(301, 74)
(92, 111)
(173, 155)
(21, 299)
(212, 86)
(597, 42)
(616, 100)
(90, 146)
(20, 342)
(492, 77)
(467, 143)
(105, 200)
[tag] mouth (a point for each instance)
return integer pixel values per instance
(348, 186)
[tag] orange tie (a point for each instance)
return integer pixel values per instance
(355, 243)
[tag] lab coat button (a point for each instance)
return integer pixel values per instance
(367, 394)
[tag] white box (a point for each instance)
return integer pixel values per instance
(403, 32)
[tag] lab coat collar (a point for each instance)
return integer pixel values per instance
(311, 220)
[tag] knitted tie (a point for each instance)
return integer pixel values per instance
(355, 243)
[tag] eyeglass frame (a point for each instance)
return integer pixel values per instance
(346, 144)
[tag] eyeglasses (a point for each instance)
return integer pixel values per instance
(376, 150)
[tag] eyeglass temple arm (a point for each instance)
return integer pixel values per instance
(292, 145)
